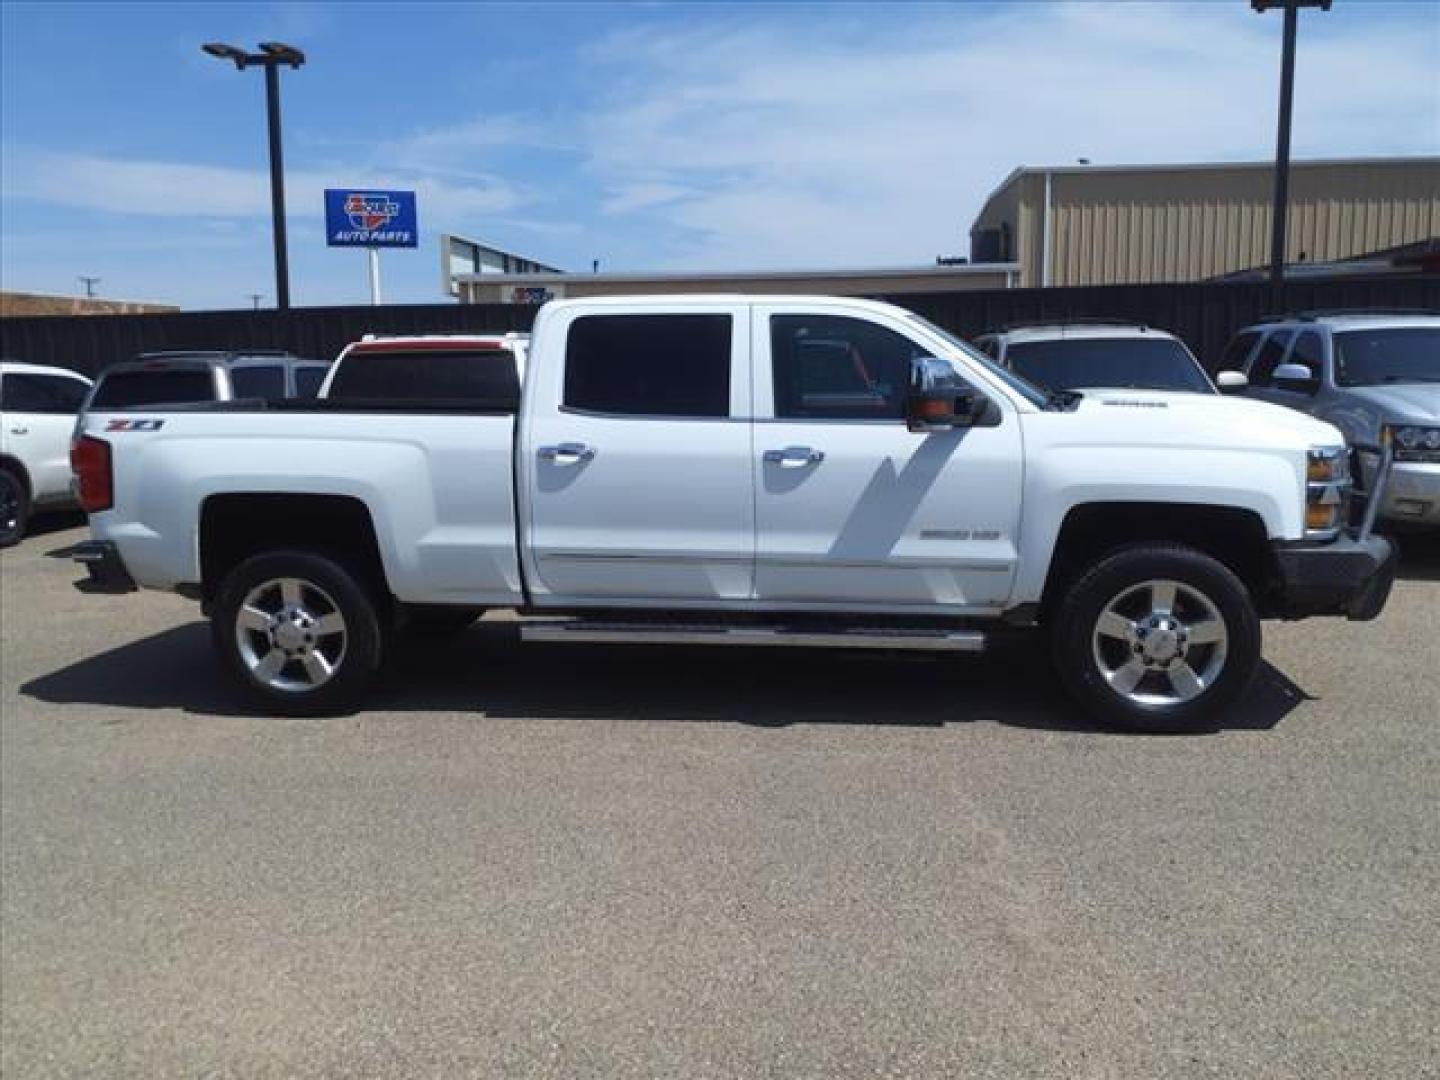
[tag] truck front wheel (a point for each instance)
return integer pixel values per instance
(1157, 637)
(298, 632)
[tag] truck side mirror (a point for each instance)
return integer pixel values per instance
(939, 401)
(1231, 382)
(1294, 377)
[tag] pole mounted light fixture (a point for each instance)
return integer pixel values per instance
(1282, 140)
(272, 56)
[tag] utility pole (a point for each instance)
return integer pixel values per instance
(272, 54)
(1281, 206)
(89, 283)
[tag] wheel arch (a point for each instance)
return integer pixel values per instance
(1235, 536)
(12, 464)
(235, 526)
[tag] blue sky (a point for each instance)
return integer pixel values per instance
(649, 136)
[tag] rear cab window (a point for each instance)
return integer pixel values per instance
(484, 376)
(153, 386)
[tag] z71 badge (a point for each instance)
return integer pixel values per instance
(134, 425)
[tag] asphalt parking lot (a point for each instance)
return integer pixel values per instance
(570, 862)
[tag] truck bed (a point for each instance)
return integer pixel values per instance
(437, 480)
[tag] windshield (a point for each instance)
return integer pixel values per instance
(1030, 392)
(1397, 355)
(1132, 363)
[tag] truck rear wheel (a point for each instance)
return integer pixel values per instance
(1157, 637)
(299, 633)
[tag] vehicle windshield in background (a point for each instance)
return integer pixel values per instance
(484, 375)
(154, 387)
(259, 381)
(1399, 354)
(1131, 363)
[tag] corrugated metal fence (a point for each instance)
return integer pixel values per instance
(1205, 315)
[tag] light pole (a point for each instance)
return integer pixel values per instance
(271, 56)
(1282, 140)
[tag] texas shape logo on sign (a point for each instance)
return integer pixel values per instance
(370, 212)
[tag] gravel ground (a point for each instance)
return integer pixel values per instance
(575, 862)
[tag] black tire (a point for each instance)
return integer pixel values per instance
(1083, 652)
(439, 621)
(327, 588)
(14, 508)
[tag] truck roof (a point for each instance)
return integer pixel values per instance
(417, 342)
(17, 367)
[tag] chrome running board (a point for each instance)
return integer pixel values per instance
(637, 633)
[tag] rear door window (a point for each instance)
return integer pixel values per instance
(308, 380)
(258, 381)
(42, 394)
(173, 386)
(649, 365)
(486, 377)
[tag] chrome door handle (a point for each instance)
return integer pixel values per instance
(568, 453)
(19, 431)
(794, 457)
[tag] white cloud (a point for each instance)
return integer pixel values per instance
(841, 145)
(173, 189)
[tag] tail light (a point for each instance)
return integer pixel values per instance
(90, 461)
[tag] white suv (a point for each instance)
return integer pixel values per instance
(1091, 354)
(38, 406)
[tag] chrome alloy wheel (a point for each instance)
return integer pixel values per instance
(290, 634)
(1160, 643)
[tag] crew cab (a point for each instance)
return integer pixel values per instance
(738, 470)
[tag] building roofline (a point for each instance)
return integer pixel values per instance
(741, 275)
(1195, 166)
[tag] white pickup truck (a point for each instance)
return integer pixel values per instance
(742, 471)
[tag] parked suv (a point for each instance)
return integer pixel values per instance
(1095, 354)
(37, 413)
(173, 378)
(1363, 371)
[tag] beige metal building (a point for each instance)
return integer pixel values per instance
(1106, 225)
(527, 288)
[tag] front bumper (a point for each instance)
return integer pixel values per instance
(106, 572)
(1348, 576)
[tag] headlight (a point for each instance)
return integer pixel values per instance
(1415, 443)
(1327, 489)
(1327, 465)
